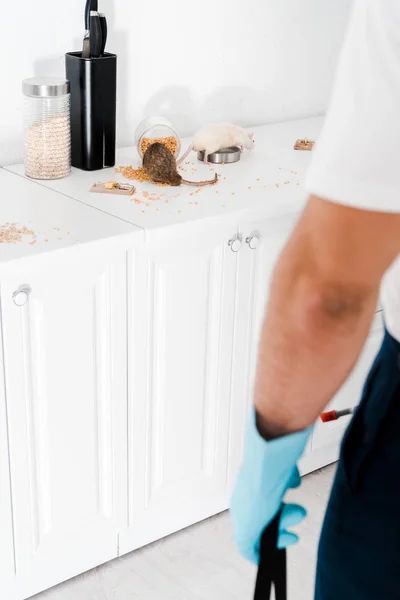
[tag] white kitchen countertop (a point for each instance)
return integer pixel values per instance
(269, 178)
(56, 221)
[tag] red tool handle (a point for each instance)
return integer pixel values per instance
(334, 415)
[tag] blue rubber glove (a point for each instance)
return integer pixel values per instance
(268, 471)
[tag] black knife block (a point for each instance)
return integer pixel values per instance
(93, 87)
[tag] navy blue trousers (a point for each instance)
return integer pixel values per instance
(359, 551)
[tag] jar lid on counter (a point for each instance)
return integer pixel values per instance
(45, 87)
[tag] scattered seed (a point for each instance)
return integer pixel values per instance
(11, 234)
(138, 174)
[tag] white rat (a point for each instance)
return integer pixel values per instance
(218, 136)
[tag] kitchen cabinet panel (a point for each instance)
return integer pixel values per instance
(65, 361)
(7, 564)
(181, 312)
(263, 240)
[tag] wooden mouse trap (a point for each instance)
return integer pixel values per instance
(304, 144)
(113, 187)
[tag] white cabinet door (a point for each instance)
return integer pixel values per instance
(263, 240)
(65, 363)
(7, 566)
(326, 434)
(181, 314)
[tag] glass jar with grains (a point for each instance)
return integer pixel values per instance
(47, 128)
(157, 129)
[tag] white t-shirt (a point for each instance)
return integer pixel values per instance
(356, 161)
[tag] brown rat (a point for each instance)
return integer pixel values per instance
(160, 165)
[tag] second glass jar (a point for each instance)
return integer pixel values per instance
(47, 128)
(157, 129)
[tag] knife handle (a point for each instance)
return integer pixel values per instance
(89, 6)
(103, 23)
(95, 35)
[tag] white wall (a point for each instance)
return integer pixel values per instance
(249, 61)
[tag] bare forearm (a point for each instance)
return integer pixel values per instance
(312, 336)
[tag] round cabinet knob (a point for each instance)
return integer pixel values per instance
(253, 240)
(235, 243)
(20, 297)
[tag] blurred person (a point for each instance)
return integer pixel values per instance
(324, 294)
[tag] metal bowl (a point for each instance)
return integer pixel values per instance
(225, 155)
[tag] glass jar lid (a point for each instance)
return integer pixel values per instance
(45, 87)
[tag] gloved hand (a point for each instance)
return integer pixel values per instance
(268, 471)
